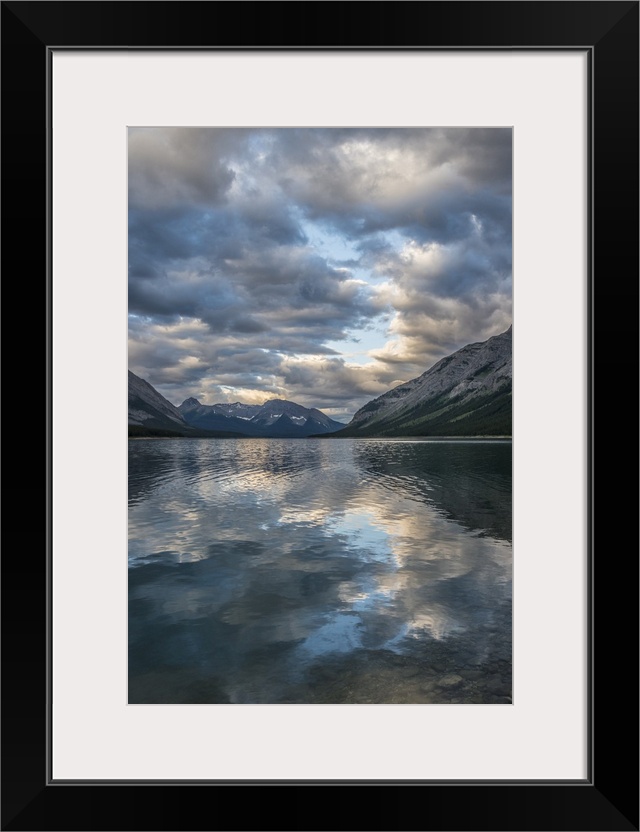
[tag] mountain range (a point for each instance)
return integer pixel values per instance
(468, 393)
(150, 414)
(274, 418)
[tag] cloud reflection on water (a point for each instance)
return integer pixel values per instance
(271, 559)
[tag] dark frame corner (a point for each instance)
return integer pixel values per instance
(608, 800)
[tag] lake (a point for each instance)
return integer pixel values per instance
(320, 571)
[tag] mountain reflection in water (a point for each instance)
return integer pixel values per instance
(319, 571)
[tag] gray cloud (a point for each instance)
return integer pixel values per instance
(173, 166)
(238, 278)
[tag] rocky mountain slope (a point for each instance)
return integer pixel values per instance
(148, 408)
(467, 393)
(150, 414)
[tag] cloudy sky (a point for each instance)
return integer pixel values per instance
(324, 266)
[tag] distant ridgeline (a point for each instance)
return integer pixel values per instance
(467, 393)
(276, 418)
(150, 414)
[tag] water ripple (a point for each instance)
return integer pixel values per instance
(319, 571)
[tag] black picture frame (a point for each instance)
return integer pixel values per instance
(608, 798)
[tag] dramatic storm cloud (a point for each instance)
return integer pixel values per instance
(324, 266)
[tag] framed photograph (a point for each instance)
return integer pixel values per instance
(335, 568)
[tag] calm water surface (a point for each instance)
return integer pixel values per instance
(319, 571)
